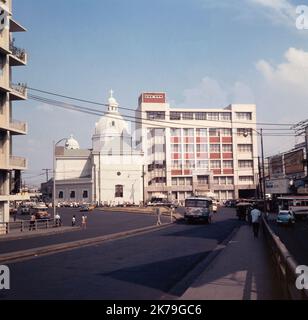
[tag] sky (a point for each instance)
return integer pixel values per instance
(202, 53)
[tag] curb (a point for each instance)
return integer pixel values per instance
(57, 248)
(204, 264)
(27, 235)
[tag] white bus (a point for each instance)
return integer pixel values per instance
(296, 204)
(198, 209)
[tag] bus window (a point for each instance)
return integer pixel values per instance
(194, 203)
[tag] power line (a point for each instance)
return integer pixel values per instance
(134, 110)
(139, 119)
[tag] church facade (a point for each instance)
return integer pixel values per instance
(108, 173)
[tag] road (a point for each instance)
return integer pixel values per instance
(145, 266)
(294, 238)
(99, 223)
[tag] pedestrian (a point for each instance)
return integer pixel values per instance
(84, 222)
(58, 220)
(32, 222)
(158, 214)
(255, 219)
(15, 215)
(74, 221)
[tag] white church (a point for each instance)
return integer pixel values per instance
(109, 173)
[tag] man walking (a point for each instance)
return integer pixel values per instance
(84, 222)
(255, 219)
(158, 213)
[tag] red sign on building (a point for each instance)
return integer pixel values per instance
(152, 97)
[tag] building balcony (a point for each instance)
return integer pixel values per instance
(18, 56)
(18, 127)
(18, 163)
(15, 26)
(18, 92)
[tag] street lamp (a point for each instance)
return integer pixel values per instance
(245, 134)
(54, 177)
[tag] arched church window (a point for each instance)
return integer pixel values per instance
(113, 123)
(61, 195)
(119, 191)
(72, 194)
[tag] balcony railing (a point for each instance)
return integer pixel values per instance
(19, 53)
(20, 89)
(18, 125)
(18, 162)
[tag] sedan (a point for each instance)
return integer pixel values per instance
(285, 217)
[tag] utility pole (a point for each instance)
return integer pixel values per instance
(260, 195)
(47, 172)
(263, 171)
(143, 184)
(99, 179)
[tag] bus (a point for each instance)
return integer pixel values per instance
(198, 209)
(298, 205)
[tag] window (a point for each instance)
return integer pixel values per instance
(174, 181)
(200, 115)
(176, 164)
(175, 132)
(201, 132)
(119, 191)
(175, 115)
(244, 148)
(227, 148)
(245, 163)
(214, 132)
(213, 116)
(85, 194)
(215, 148)
(243, 115)
(246, 179)
(226, 132)
(182, 181)
(187, 116)
(216, 180)
(61, 194)
(243, 132)
(230, 180)
(203, 164)
(203, 180)
(188, 132)
(228, 164)
(113, 123)
(176, 148)
(155, 115)
(222, 181)
(189, 164)
(188, 181)
(225, 116)
(215, 164)
(188, 147)
(202, 148)
(72, 194)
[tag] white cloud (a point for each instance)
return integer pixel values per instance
(278, 11)
(210, 93)
(45, 107)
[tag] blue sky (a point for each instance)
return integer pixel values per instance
(203, 53)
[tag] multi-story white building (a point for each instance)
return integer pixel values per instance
(197, 151)
(10, 56)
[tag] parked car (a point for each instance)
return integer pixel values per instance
(285, 217)
(40, 211)
(24, 210)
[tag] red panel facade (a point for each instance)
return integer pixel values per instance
(214, 139)
(214, 155)
(153, 97)
(227, 155)
(227, 139)
(228, 171)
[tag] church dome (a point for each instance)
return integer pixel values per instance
(71, 143)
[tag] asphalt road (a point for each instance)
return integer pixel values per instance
(294, 238)
(98, 223)
(145, 266)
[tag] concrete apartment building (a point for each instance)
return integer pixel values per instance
(10, 57)
(197, 151)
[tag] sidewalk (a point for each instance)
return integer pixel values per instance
(242, 271)
(16, 234)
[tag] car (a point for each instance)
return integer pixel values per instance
(86, 208)
(24, 210)
(285, 217)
